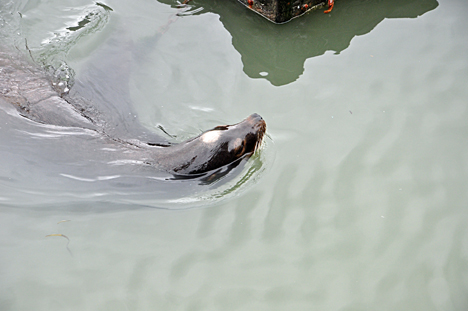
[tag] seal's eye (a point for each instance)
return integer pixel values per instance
(221, 128)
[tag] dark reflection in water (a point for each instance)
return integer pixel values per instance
(278, 52)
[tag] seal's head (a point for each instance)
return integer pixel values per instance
(215, 148)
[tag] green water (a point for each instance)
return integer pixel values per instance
(361, 202)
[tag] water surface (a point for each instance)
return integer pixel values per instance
(362, 201)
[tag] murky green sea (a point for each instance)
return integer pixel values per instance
(358, 199)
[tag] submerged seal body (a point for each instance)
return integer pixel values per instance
(39, 98)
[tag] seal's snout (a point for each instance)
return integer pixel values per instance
(254, 118)
(257, 131)
(257, 122)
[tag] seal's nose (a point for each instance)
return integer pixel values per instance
(254, 118)
(256, 122)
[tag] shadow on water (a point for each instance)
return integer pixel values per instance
(278, 52)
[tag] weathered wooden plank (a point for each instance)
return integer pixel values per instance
(282, 11)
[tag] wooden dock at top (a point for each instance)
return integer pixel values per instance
(282, 11)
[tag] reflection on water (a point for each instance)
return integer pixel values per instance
(277, 53)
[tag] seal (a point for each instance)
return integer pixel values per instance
(213, 149)
(38, 98)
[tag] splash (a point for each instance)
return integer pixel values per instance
(53, 51)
